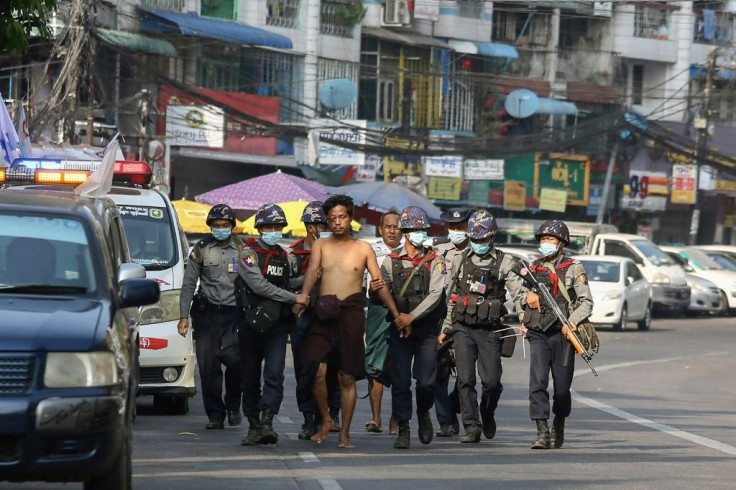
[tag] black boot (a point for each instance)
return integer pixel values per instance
(426, 431)
(404, 439)
(455, 426)
(557, 434)
(542, 441)
(254, 431)
(335, 415)
(267, 436)
(234, 418)
(489, 426)
(309, 428)
(470, 437)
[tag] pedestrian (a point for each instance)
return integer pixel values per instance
(377, 328)
(447, 404)
(213, 262)
(337, 339)
(549, 349)
(481, 276)
(315, 222)
(265, 279)
(415, 275)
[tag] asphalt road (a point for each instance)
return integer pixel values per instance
(661, 414)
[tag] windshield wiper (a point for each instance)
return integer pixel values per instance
(41, 288)
(155, 267)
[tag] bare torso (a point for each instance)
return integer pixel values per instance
(343, 263)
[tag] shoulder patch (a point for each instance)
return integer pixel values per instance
(442, 267)
(248, 257)
(583, 277)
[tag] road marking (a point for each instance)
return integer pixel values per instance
(309, 457)
(293, 436)
(616, 412)
(329, 484)
(284, 420)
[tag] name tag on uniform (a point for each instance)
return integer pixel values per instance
(232, 266)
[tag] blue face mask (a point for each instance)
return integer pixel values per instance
(221, 234)
(417, 238)
(271, 237)
(457, 237)
(547, 249)
(480, 248)
(325, 234)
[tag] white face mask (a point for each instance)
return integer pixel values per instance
(457, 237)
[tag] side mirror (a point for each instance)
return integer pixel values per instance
(139, 292)
(130, 270)
(688, 268)
(629, 280)
(638, 260)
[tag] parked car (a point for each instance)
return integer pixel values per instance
(729, 250)
(621, 294)
(723, 259)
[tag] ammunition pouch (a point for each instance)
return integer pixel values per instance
(199, 304)
(258, 313)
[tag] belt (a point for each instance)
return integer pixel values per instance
(221, 308)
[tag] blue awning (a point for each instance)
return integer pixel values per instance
(557, 107)
(701, 73)
(522, 103)
(491, 50)
(191, 24)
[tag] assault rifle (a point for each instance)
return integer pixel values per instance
(551, 305)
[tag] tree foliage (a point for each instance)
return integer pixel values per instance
(19, 19)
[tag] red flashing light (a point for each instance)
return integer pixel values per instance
(138, 173)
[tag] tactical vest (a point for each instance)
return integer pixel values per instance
(552, 281)
(480, 293)
(302, 256)
(418, 288)
(274, 263)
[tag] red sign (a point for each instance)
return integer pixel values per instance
(151, 343)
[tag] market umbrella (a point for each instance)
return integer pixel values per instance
(193, 217)
(293, 211)
(382, 196)
(274, 187)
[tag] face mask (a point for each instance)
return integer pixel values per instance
(221, 234)
(457, 237)
(272, 237)
(480, 248)
(417, 238)
(547, 249)
(325, 234)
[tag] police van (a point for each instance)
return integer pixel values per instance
(157, 242)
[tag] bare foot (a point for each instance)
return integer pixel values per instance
(393, 426)
(344, 442)
(324, 429)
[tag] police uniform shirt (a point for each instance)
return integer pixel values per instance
(250, 270)
(576, 278)
(449, 251)
(513, 283)
(216, 268)
(436, 280)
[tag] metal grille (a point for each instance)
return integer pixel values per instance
(150, 375)
(331, 69)
(10, 448)
(459, 105)
(282, 13)
(651, 23)
(719, 35)
(331, 22)
(16, 374)
(164, 4)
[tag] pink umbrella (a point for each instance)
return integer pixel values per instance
(275, 187)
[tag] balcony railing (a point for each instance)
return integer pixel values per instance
(176, 5)
(282, 13)
(651, 23)
(718, 31)
(332, 22)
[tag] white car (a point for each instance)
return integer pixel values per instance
(621, 294)
(705, 267)
(729, 250)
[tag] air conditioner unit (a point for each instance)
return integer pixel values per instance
(396, 13)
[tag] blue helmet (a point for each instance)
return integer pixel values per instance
(270, 214)
(221, 211)
(481, 225)
(413, 218)
(555, 228)
(313, 213)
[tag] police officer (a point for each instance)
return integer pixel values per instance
(475, 310)
(214, 263)
(265, 270)
(315, 222)
(549, 349)
(415, 275)
(447, 404)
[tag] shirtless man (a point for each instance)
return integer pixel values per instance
(340, 261)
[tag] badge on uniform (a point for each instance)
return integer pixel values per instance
(249, 258)
(583, 277)
(232, 266)
(441, 267)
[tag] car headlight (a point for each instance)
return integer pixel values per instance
(615, 294)
(695, 285)
(661, 278)
(80, 369)
(166, 310)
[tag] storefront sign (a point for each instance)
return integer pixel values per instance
(553, 199)
(444, 188)
(427, 10)
(189, 125)
(514, 195)
(449, 166)
(646, 191)
(478, 192)
(564, 172)
(683, 184)
(726, 185)
(352, 132)
(483, 169)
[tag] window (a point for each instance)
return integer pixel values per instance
(282, 13)
(637, 84)
(218, 74)
(601, 270)
(632, 271)
(276, 75)
(652, 252)
(151, 239)
(711, 27)
(220, 9)
(386, 103)
(164, 4)
(470, 9)
(619, 249)
(332, 20)
(651, 23)
(572, 31)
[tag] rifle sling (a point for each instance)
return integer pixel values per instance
(421, 263)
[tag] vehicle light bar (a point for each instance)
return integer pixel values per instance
(49, 171)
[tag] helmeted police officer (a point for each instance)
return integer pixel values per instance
(447, 404)
(265, 271)
(213, 262)
(315, 222)
(481, 276)
(415, 275)
(549, 349)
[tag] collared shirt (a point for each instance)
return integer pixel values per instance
(448, 251)
(250, 271)
(215, 267)
(576, 278)
(436, 280)
(514, 284)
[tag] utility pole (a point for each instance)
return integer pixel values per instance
(607, 184)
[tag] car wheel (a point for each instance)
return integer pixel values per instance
(119, 476)
(621, 325)
(646, 322)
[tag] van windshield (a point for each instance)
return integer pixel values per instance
(151, 237)
(652, 252)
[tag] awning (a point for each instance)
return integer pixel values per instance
(491, 50)
(557, 107)
(136, 42)
(408, 38)
(191, 24)
(523, 103)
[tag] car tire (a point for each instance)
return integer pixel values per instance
(621, 325)
(120, 475)
(646, 322)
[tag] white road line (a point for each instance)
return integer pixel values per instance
(309, 457)
(293, 436)
(284, 419)
(329, 484)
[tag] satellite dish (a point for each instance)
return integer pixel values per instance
(338, 93)
(522, 103)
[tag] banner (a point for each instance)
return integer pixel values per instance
(444, 188)
(478, 193)
(646, 191)
(189, 125)
(483, 169)
(352, 131)
(683, 184)
(553, 199)
(449, 166)
(514, 195)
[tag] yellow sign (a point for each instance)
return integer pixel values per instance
(725, 185)
(564, 172)
(728, 221)
(444, 188)
(553, 199)
(514, 195)
(394, 166)
(684, 183)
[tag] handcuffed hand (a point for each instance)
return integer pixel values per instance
(532, 300)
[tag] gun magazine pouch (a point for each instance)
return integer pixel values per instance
(263, 316)
(507, 338)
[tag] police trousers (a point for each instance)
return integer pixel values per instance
(417, 356)
(216, 344)
(264, 355)
(548, 351)
(481, 346)
(305, 372)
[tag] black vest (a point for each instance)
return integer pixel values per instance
(546, 319)
(418, 288)
(481, 292)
